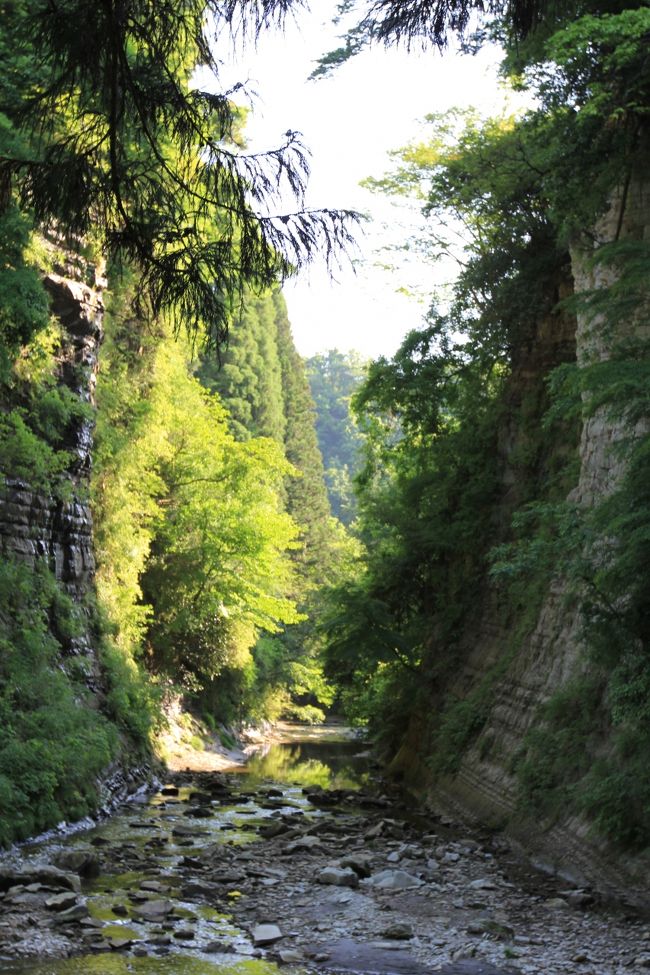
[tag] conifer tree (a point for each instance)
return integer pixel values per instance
(247, 375)
(115, 142)
(306, 496)
(333, 379)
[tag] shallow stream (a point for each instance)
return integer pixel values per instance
(153, 837)
(298, 865)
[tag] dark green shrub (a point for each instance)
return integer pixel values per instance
(54, 743)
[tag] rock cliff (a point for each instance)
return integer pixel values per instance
(35, 525)
(527, 670)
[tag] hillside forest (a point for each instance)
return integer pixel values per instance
(450, 547)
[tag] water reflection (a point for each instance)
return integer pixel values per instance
(331, 764)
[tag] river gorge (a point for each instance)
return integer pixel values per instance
(302, 859)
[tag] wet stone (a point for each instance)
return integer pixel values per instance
(48, 875)
(154, 886)
(304, 844)
(85, 863)
(289, 956)
(119, 944)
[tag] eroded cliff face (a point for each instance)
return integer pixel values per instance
(551, 653)
(35, 525)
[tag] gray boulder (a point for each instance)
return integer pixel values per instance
(394, 880)
(339, 876)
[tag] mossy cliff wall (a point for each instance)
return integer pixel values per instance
(516, 658)
(66, 750)
(36, 525)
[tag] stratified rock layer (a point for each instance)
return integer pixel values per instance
(39, 526)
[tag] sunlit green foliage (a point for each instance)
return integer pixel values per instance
(425, 500)
(263, 384)
(191, 533)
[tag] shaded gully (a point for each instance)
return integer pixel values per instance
(300, 862)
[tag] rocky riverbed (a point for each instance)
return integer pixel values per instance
(300, 864)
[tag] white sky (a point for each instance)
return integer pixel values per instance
(350, 121)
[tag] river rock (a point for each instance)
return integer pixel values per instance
(305, 843)
(49, 875)
(273, 829)
(266, 934)
(557, 903)
(361, 864)
(398, 932)
(25, 898)
(339, 876)
(84, 862)
(289, 956)
(200, 797)
(394, 880)
(155, 910)
(185, 833)
(483, 883)
(577, 898)
(198, 888)
(327, 797)
(387, 828)
(154, 886)
(61, 902)
(498, 928)
(75, 913)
